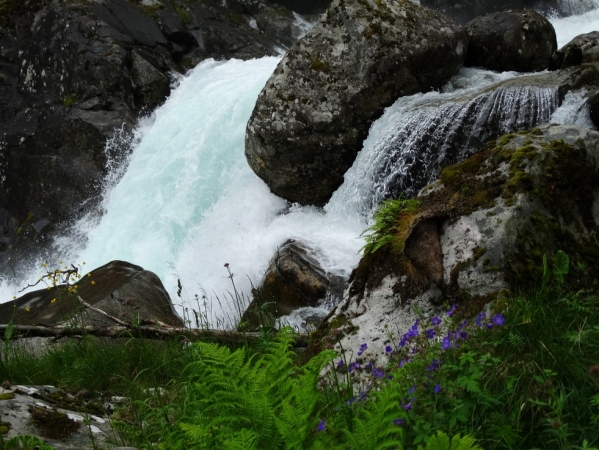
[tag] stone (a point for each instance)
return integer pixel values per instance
(593, 103)
(497, 215)
(122, 290)
(582, 49)
(55, 416)
(315, 111)
(521, 41)
(293, 280)
(465, 10)
(305, 6)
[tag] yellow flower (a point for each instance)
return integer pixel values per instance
(44, 264)
(53, 300)
(27, 309)
(48, 288)
(89, 274)
(93, 282)
(14, 297)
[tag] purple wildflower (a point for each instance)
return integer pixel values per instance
(498, 319)
(436, 321)
(363, 348)
(479, 319)
(368, 366)
(489, 326)
(435, 364)
(322, 425)
(340, 363)
(404, 340)
(464, 323)
(399, 422)
(353, 366)
(402, 363)
(388, 349)
(431, 333)
(414, 330)
(412, 389)
(451, 310)
(463, 335)
(446, 342)
(408, 406)
(437, 388)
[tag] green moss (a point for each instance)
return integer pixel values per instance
(320, 65)
(7, 396)
(4, 428)
(51, 423)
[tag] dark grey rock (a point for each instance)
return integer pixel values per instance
(582, 49)
(311, 118)
(123, 290)
(522, 41)
(293, 280)
(593, 103)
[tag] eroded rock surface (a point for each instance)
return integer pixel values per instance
(522, 41)
(54, 416)
(310, 120)
(123, 290)
(494, 216)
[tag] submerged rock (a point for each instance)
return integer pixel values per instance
(522, 41)
(495, 217)
(582, 49)
(593, 103)
(314, 113)
(122, 290)
(293, 280)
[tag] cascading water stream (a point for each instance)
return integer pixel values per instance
(188, 203)
(418, 136)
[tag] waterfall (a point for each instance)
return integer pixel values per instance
(188, 203)
(419, 135)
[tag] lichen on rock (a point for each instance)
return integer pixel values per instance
(496, 216)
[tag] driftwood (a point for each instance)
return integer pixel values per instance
(142, 331)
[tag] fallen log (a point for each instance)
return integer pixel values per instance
(142, 331)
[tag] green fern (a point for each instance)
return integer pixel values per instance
(442, 442)
(235, 401)
(374, 428)
(388, 226)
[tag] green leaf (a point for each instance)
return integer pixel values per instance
(8, 333)
(562, 266)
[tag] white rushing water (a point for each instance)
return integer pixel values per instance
(188, 203)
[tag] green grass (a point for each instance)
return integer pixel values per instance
(531, 383)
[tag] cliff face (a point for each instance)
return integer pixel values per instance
(72, 72)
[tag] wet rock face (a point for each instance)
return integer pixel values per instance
(522, 41)
(305, 6)
(593, 103)
(72, 72)
(293, 280)
(310, 120)
(494, 217)
(123, 290)
(582, 49)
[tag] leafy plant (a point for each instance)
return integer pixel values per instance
(391, 222)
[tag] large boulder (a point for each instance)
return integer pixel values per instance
(485, 226)
(312, 116)
(582, 49)
(120, 289)
(522, 41)
(73, 73)
(293, 280)
(465, 10)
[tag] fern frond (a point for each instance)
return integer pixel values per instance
(441, 442)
